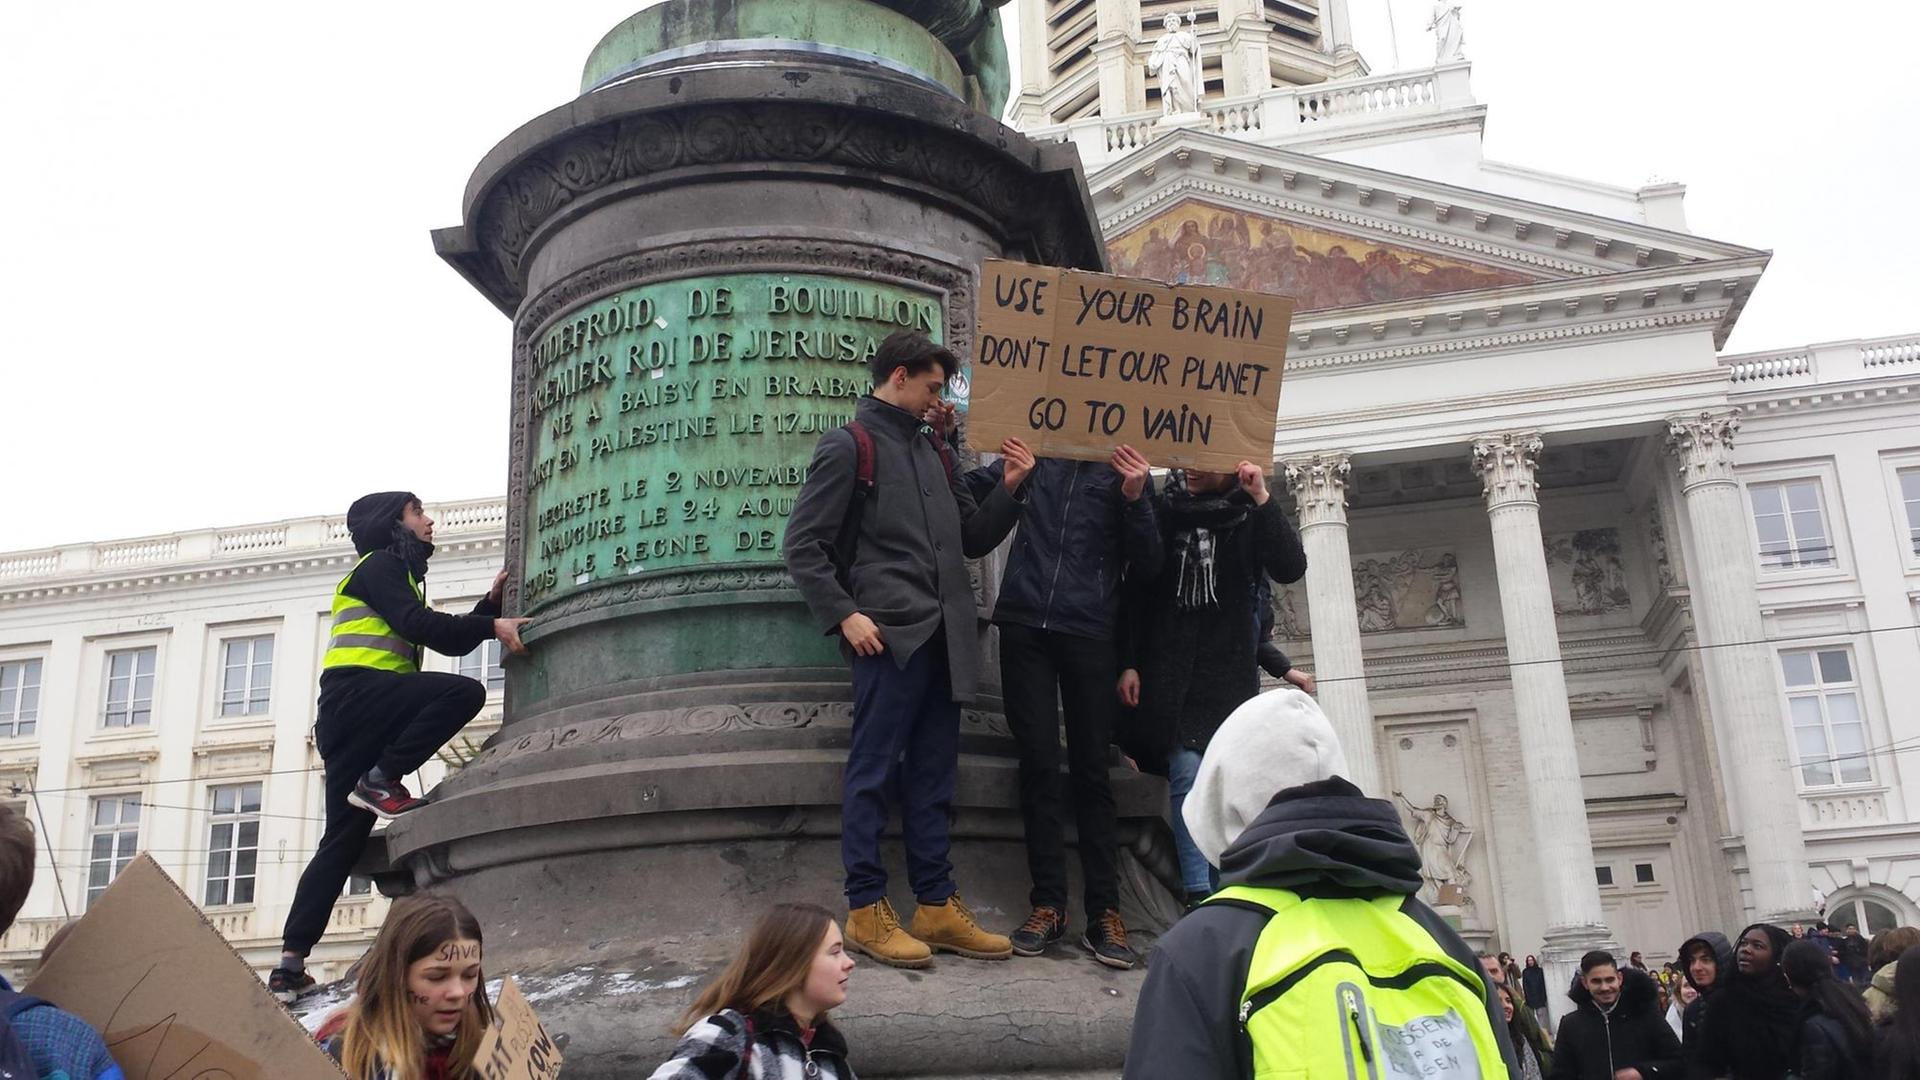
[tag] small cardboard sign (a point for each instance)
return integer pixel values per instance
(1075, 363)
(169, 995)
(515, 1046)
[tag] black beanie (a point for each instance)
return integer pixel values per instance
(371, 518)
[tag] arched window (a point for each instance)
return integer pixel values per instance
(1871, 913)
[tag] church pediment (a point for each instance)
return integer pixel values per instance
(1194, 240)
(1199, 205)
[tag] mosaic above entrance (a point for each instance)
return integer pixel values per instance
(1192, 242)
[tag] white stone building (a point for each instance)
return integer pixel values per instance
(158, 695)
(1641, 612)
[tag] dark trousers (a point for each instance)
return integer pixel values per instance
(1038, 668)
(369, 718)
(906, 746)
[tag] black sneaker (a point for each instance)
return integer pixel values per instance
(288, 987)
(1044, 927)
(1106, 939)
(385, 799)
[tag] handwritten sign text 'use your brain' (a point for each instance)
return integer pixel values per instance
(1075, 363)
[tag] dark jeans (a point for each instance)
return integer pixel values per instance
(1038, 667)
(369, 718)
(906, 740)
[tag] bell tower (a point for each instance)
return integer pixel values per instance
(1082, 58)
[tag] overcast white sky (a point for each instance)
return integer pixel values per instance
(222, 305)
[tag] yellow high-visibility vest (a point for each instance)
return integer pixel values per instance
(361, 638)
(1355, 989)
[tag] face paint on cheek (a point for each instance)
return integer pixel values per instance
(418, 999)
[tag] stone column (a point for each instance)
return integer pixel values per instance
(1741, 678)
(1244, 64)
(1319, 486)
(1035, 77)
(1122, 76)
(1561, 838)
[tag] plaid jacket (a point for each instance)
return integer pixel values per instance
(63, 1047)
(730, 1046)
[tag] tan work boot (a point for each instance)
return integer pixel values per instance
(875, 930)
(950, 927)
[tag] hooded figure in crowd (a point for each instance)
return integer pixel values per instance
(1616, 1028)
(1750, 1030)
(1327, 876)
(1706, 962)
(380, 716)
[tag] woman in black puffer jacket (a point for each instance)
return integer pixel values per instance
(1836, 1032)
(1751, 1027)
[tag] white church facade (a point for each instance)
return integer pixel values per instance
(1625, 620)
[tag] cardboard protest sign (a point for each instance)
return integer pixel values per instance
(515, 1046)
(1074, 364)
(169, 995)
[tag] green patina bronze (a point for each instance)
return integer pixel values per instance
(673, 422)
(956, 43)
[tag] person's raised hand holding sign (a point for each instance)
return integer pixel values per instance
(1134, 471)
(1253, 481)
(1019, 462)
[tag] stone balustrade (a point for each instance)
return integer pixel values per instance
(1843, 809)
(1280, 115)
(239, 543)
(1835, 361)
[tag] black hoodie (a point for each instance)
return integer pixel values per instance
(1322, 840)
(392, 553)
(1751, 1030)
(1723, 971)
(1593, 1043)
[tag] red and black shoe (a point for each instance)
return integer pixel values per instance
(385, 799)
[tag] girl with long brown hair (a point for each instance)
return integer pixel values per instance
(420, 1006)
(765, 1017)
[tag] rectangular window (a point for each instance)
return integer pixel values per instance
(1792, 529)
(114, 838)
(1910, 495)
(19, 697)
(246, 676)
(358, 886)
(129, 688)
(1829, 726)
(483, 664)
(233, 843)
(1603, 875)
(1643, 873)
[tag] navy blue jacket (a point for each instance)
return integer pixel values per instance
(1078, 533)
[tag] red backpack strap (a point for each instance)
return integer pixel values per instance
(862, 456)
(849, 538)
(945, 451)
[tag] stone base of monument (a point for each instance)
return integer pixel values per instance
(573, 932)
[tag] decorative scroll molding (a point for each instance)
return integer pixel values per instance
(701, 720)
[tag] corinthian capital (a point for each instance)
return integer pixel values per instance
(1319, 486)
(1703, 445)
(1506, 464)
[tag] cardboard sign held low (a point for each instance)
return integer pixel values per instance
(515, 1046)
(1074, 364)
(169, 995)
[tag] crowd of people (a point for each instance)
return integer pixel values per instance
(1139, 620)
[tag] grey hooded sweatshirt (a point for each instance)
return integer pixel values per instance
(1321, 840)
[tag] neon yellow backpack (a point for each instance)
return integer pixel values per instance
(1354, 989)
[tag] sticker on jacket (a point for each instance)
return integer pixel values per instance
(1427, 1048)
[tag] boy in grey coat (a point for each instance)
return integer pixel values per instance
(904, 611)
